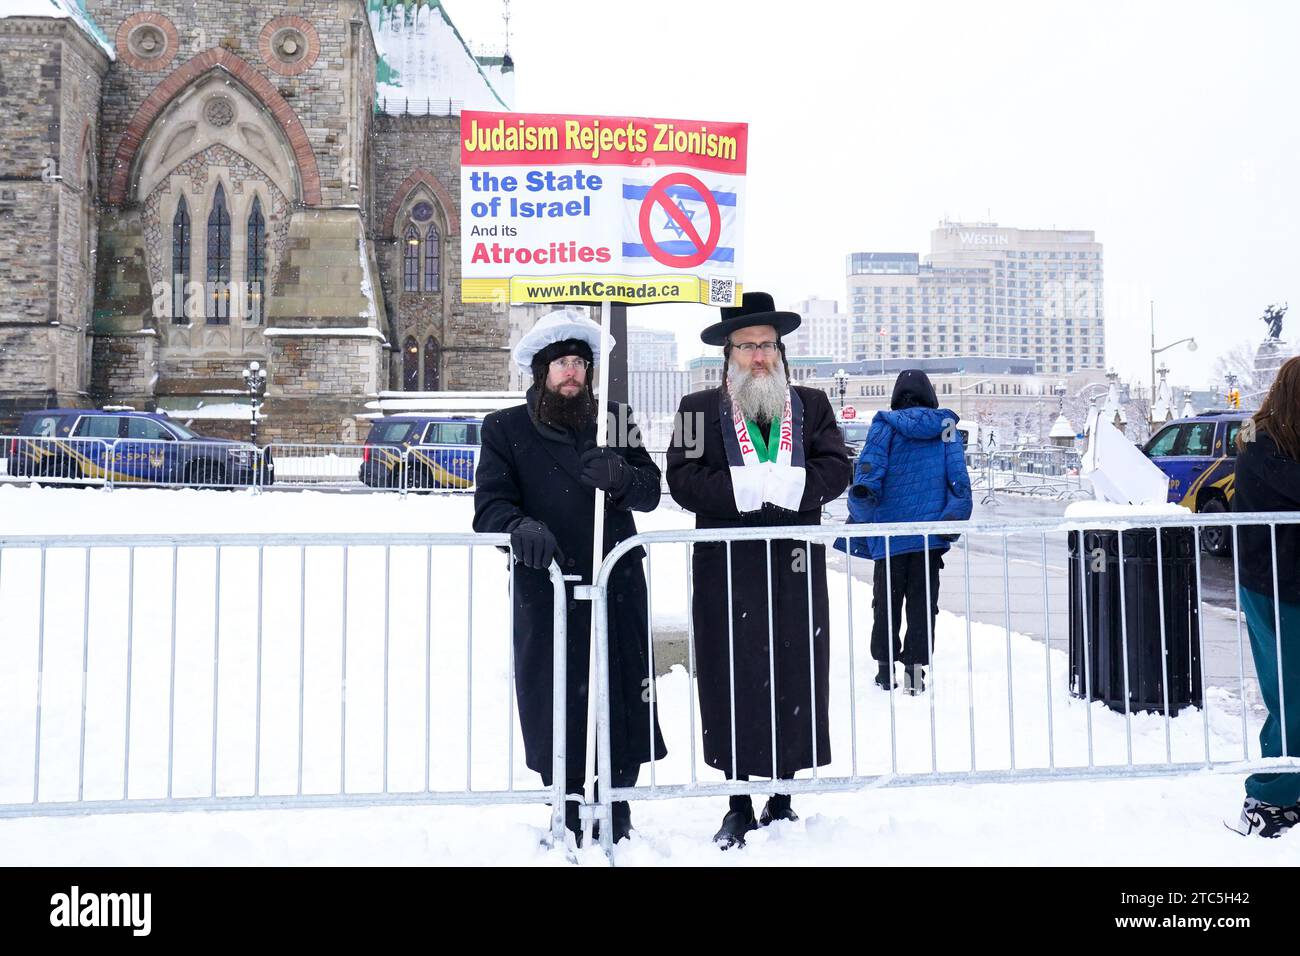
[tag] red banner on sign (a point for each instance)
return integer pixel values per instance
(515, 139)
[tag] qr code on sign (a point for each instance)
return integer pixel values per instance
(722, 291)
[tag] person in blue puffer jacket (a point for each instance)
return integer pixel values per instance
(912, 468)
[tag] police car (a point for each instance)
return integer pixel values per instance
(125, 445)
(439, 451)
(1199, 455)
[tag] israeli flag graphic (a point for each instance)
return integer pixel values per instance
(669, 232)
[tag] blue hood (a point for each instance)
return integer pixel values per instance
(912, 468)
(919, 422)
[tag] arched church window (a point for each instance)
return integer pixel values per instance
(432, 361)
(410, 365)
(411, 261)
(87, 209)
(256, 270)
(219, 260)
(180, 261)
(431, 259)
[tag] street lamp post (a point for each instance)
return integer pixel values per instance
(255, 382)
(1191, 347)
(842, 386)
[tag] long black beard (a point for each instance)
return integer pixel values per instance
(577, 412)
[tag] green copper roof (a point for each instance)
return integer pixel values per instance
(74, 10)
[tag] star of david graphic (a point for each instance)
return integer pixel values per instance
(671, 223)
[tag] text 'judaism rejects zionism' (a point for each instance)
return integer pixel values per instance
(562, 208)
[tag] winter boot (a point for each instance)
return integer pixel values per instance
(571, 823)
(738, 821)
(777, 808)
(913, 680)
(1266, 819)
(885, 677)
(621, 820)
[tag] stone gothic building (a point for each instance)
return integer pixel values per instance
(187, 187)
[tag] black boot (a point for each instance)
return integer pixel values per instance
(738, 821)
(621, 820)
(885, 677)
(777, 808)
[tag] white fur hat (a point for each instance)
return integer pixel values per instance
(556, 327)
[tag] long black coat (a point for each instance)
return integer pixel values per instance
(1266, 480)
(530, 470)
(703, 485)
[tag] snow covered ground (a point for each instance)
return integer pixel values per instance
(1166, 821)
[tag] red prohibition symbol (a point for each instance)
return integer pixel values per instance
(658, 196)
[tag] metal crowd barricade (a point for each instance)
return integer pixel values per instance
(110, 463)
(1039, 472)
(328, 466)
(440, 468)
(83, 462)
(192, 672)
(1000, 702)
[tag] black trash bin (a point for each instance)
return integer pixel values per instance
(1101, 589)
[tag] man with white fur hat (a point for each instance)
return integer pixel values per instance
(538, 470)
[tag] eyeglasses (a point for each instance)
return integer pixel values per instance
(575, 364)
(748, 347)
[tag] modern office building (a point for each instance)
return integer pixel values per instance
(984, 290)
(651, 350)
(706, 370)
(825, 330)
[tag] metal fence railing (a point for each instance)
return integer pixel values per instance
(1013, 690)
(89, 462)
(193, 671)
(392, 106)
(1049, 473)
(320, 465)
(110, 463)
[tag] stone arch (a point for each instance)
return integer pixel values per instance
(422, 177)
(432, 361)
(308, 183)
(410, 364)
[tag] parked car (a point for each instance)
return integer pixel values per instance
(855, 436)
(440, 452)
(1199, 455)
(75, 444)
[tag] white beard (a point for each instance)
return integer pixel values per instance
(760, 398)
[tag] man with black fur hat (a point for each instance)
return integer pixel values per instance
(912, 468)
(538, 470)
(771, 454)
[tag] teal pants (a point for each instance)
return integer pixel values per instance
(1281, 789)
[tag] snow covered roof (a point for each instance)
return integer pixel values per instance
(228, 411)
(60, 9)
(422, 56)
(1061, 428)
(478, 403)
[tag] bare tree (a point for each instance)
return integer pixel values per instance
(1138, 411)
(1239, 361)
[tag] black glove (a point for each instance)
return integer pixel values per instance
(604, 468)
(534, 545)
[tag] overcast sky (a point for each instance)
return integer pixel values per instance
(1171, 130)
